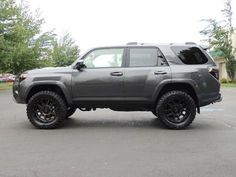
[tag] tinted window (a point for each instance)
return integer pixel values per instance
(103, 58)
(190, 55)
(143, 57)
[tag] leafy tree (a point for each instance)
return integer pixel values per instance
(219, 37)
(23, 46)
(65, 51)
(43, 47)
(17, 31)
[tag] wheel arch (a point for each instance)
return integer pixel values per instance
(181, 86)
(53, 86)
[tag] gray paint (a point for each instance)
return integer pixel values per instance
(102, 87)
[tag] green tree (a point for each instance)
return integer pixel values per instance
(65, 51)
(219, 37)
(18, 29)
(23, 46)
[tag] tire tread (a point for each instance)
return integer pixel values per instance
(172, 125)
(60, 101)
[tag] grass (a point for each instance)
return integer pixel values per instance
(228, 84)
(5, 86)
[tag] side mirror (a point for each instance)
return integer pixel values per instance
(80, 65)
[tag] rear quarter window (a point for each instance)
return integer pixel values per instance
(190, 55)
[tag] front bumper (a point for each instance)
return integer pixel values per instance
(16, 91)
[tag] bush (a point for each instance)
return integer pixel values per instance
(232, 82)
(223, 81)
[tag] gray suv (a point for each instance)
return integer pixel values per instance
(172, 81)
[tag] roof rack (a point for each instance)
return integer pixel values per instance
(190, 43)
(132, 43)
(186, 43)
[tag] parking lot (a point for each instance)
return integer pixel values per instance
(105, 143)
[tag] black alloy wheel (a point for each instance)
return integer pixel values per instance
(46, 109)
(176, 109)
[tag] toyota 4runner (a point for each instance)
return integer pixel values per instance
(172, 81)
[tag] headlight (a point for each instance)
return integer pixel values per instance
(23, 76)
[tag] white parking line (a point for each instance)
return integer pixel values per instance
(212, 109)
(229, 125)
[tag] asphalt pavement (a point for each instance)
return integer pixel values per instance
(105, 143)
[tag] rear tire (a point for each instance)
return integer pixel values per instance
(46, 110)
(176, 109)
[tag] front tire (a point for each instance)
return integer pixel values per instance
(154, 113)
(46, 110)
(176, 109)
(70, 111)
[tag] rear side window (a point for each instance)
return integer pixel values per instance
(143, 57)
(190, 55)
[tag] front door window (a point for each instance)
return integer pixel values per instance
(104, 58)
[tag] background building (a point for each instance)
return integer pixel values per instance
(220, 60)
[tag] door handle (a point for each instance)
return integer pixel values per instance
(160, 72)
(116, 74)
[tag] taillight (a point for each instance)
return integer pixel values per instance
(214, 71)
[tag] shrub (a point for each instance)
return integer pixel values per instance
(223, 81)
(232, 82)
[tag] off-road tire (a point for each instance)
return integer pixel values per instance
(163, 107)
(60, 109)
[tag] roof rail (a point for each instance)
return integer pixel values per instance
(132, 43)
(190, 43)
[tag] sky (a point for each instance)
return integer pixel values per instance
(115, 22)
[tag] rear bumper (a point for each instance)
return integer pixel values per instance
(216, 98)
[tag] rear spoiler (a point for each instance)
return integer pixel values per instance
(204, 47)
